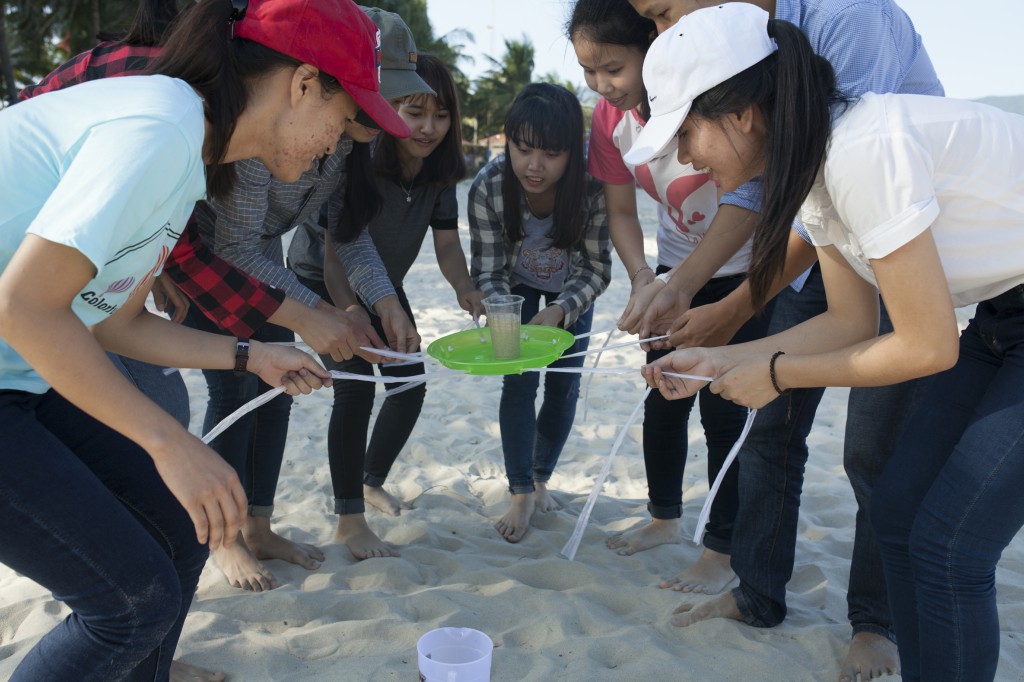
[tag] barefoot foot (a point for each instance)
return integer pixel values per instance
(354, 533)
(516, 521)
(183, 672)
(242, 569)
(709, 575)
(870, 656)
(264, 543)
(384, 501)
(719, 607)
(542, 499)
(657, 532)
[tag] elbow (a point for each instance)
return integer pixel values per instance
(936, 357)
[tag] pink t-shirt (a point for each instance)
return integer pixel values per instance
(687, 200)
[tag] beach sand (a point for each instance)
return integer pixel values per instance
(599, 617)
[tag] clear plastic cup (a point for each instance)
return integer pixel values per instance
(455, 655)
(504, 313)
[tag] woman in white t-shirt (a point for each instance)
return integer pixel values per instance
(610, 40)
(922, 197)
(107, 501)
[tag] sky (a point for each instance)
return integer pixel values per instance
(977, 47)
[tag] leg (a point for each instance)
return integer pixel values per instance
(88, 517)
(770, 480)
(557, 413)
(948, 503)
(517, 419)
(664, 445)
(875, 419)
(391, 431)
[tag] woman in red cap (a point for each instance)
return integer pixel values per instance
(108, 501)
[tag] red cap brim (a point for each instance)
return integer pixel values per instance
(379, 109)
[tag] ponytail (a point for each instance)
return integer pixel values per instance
(794, 90)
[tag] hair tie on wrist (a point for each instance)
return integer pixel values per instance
(771, 372)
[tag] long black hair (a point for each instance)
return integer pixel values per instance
(152, 21)
(547, 116)
(795, 91)
(612, 22)
(446, 165)
(201, 51)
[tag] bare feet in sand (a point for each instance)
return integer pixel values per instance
(183, 672)
(241, 563)
(870, 656)
(709, 575)
(689, 613)
(384, 501)
(516, 521)
(657, 532)
(354, 533)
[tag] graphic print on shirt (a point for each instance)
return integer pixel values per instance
(680, 189)
(545, 263)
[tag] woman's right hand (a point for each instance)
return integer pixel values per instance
(277, 365)
(207, 487)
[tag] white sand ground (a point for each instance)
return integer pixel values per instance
(600, 617)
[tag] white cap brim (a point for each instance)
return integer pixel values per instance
(656, 136)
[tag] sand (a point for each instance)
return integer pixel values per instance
(599, 617)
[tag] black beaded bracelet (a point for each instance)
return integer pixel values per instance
(771, 372)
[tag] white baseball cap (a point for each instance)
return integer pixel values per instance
(705, 48)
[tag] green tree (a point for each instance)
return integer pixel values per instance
(498, 87)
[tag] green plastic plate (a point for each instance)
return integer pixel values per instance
(471, 350)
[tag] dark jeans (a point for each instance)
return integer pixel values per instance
(771, 481)
(165, 389)
(352, 462)
(665, 435)
(532, 440)
(254, 445)
(86, 516)
(949, 501)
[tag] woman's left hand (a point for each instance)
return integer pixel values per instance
(277, 365)
(551, 316)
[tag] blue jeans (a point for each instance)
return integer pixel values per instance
(771, 481)
(165, 389)
(949, 501)
(86, 516)
(665, 435)
(532, 441)
(353, 462)
(254, 445)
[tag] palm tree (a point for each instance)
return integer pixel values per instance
(498, 87)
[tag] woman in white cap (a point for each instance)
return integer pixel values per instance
(893, 195)
(109, 502)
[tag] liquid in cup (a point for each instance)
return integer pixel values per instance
(504, 313)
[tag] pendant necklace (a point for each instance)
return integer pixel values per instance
(408, 191)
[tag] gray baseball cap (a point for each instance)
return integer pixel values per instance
(398, 77)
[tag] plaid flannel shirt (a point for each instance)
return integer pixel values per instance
(494, 254)
(228, 296)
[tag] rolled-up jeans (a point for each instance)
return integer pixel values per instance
(949, 502)
(86, 516)
(532, 440)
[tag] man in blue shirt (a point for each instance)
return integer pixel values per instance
(873, 47)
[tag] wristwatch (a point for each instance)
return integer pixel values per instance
(241, 356)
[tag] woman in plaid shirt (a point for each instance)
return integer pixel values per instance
(551, 245)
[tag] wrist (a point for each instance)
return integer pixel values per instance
(773, 372)
(241, 356)
(642, 268)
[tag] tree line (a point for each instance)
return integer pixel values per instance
(37, 35)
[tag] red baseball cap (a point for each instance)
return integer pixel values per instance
(333, 35)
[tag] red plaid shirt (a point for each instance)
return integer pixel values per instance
(232, 299)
